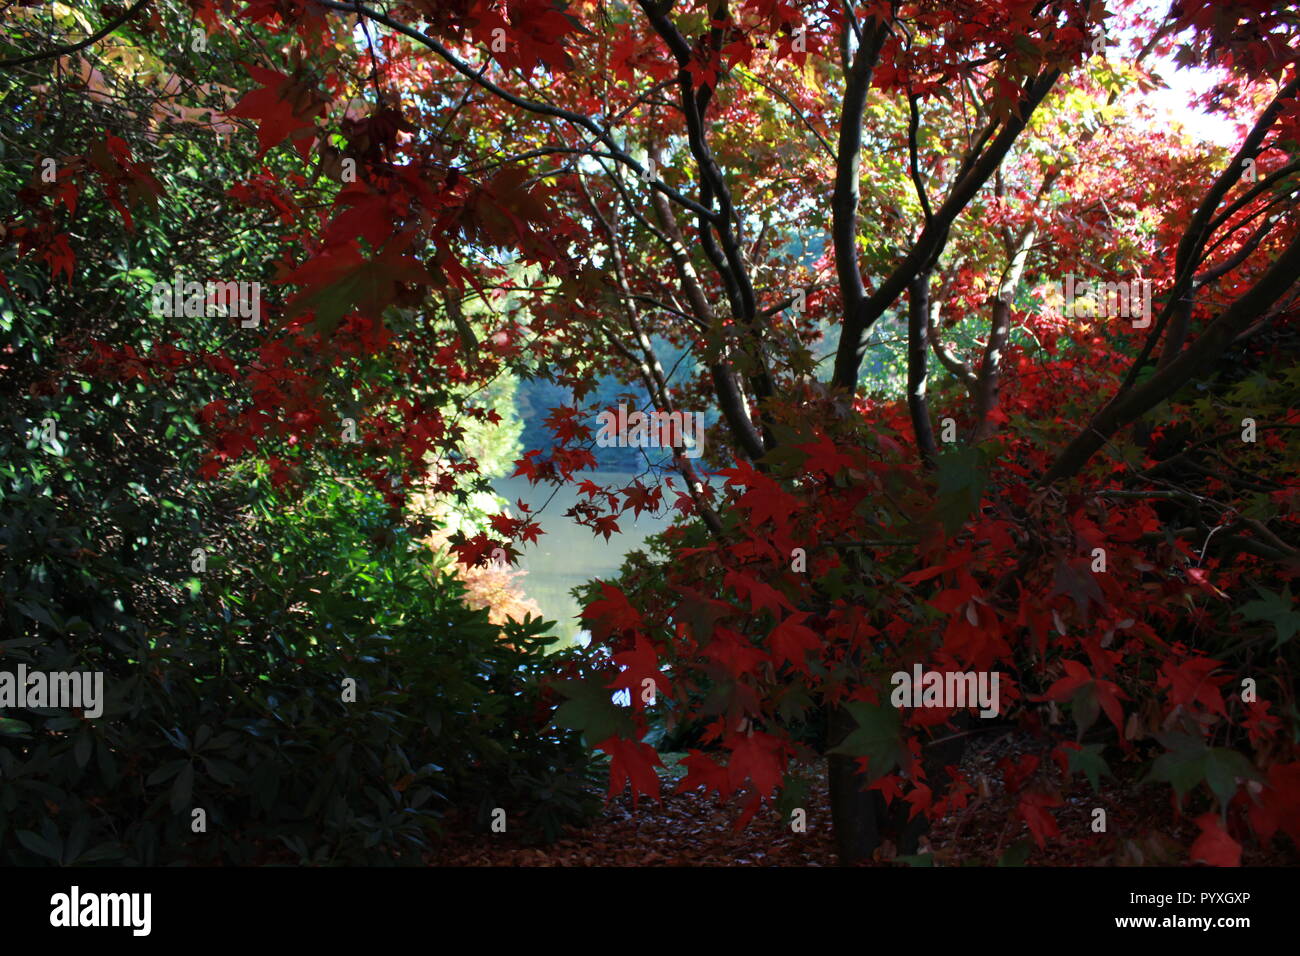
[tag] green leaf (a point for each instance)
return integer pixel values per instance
(691, 23)
(794, 703)
(105, 851)
(1090, 761)
(1025, 44)
(10, 726)
(962, 472)
(1190, 761)
(1277, 609)
(81, 749)
(1079, 584)
(591, 710)
(39, 845)
(877, 738)
(1223, 767)
(183, 788)
(1016, 854)
(792, 795)
(1085, 706)
(38, 613)
(165, 771)
(1183, 766)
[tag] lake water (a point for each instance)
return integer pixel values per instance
(568, 554)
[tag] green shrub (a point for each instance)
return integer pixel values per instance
(226, 695)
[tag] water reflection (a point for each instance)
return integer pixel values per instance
(569, 555)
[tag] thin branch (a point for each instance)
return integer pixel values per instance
(928, 246)
(1125, 406)
(780, 94)
(532, 106)
(95, 37)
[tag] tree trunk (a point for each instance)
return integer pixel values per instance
(860, 817)
(857, 814)
(934, 757)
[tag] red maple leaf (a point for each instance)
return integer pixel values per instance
(825, 457)
(1279, 803)
(369, 215)
(792, 641)
(639, 665)
(763, 498)
(758, 758)
(1214, 846)
(284, 108)
(890, 786)
(1015, 774)
(956, 560)
(1190, 683)
(1078, 677)
(703, 771)
(565, 422)
(919, 798)
(642, 498)
(631, 762)
(762, 597)
(613, 610)
(340, 280)
(732, 651)
(1033, 810)
(606, 525)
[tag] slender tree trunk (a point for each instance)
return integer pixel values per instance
(857, 814)
(918, 312)
(986, 391)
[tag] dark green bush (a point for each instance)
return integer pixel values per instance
(233, 702)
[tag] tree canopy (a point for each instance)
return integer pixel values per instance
(996, 360)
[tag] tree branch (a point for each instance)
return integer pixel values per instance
(1125, 406)
(928, 246)
(531, 106)
(94, 38)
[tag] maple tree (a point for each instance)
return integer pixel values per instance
(752, 182)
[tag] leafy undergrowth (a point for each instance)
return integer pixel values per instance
(690, 829)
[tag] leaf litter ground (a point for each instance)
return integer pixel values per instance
(691, 829)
